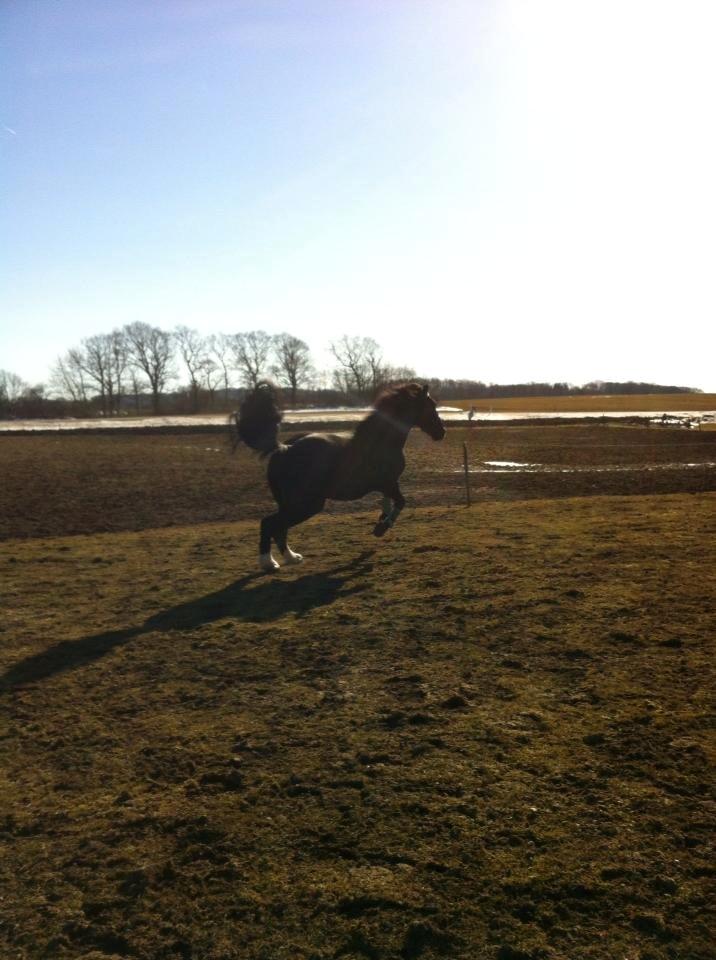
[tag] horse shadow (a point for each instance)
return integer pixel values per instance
(268, 600)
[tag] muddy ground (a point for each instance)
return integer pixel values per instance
(486, 736)
(56, 485)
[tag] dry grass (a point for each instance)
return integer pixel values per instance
(598, 403)
(484, 737)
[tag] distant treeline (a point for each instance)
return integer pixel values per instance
(34, 403)
(141, 369)
(475, 389)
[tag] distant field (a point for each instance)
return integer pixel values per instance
(649, 403)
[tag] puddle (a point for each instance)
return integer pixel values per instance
(512, 466)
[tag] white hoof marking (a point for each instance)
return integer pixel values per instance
(267, 562)
(290, 557)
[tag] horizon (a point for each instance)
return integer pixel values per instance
(506, 191)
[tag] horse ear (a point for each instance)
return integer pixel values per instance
(425, 389)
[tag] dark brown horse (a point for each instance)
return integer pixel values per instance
(312, 468)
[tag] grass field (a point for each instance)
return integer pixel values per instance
(486, 736)
(599, 402)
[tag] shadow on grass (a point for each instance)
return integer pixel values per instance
(270, 599)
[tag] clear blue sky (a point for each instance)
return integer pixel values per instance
(500, 189)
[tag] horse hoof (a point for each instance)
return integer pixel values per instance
(268, 564)
(290, 557)
(379, 529)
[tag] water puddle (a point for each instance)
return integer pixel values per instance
(513, 466)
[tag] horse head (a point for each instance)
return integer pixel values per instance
(410, 405)
(428, 419)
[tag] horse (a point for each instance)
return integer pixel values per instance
(311, 468)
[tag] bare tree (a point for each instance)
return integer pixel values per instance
(374, 362)
(95, 357)
(293, 362)
(12, 389)
(12, 386)
(98, 364)
(150, 350)
(193, 351)
(389, 374)
(119, 364)
(359, 359)
(138, 387)
(251, 353)
(219, 347)
(68, 377)
(211, 377)
(342, 380)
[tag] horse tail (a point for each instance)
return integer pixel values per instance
(258, 419)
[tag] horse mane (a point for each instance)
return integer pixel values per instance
(392, 405)
(393, 398)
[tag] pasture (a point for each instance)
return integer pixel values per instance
(485, 736)
(653, 403)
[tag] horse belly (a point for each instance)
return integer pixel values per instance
(352, 485)
(350, 491)
(300, 473)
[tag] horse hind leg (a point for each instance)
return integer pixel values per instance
(281, 537)
(290, 557)
(383, 523)
(275, 527)
(290, 518)
(268, 530)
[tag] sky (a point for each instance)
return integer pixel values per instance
(500, 190)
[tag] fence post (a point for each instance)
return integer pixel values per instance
(467, 474)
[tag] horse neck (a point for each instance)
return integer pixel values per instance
(380, 429)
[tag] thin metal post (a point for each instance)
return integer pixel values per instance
(467, 474)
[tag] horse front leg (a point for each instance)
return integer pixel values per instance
(393, 503)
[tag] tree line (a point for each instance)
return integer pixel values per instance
(140, 368)
(477, 390)
(140, 359)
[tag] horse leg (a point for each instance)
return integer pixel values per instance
(290, 518)
(393, 503)
(275, 527)
(289, 556)
(268, 532)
